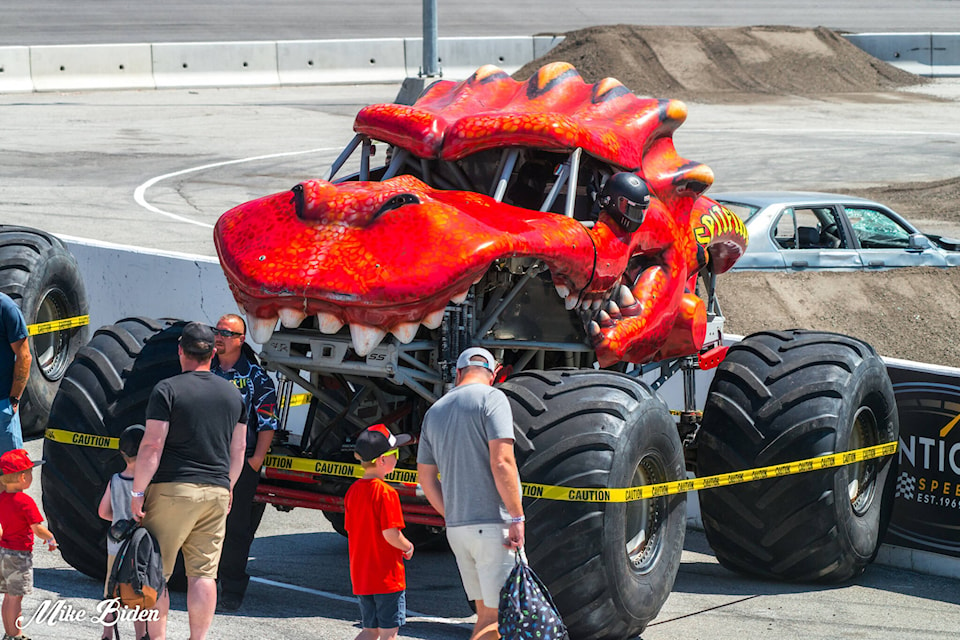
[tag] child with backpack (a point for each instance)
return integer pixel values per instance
(115, 506)
(20, 521)
(377, 547)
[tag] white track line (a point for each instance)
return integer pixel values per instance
(139, 197)
(353, 600)
(688, 128)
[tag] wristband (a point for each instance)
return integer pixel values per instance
(136, 494)
(517, 519)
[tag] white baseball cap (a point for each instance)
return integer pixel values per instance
(466, 359)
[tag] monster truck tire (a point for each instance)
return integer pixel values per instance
(599, 429)
(781, 397)
(103, 391)
(41, 276)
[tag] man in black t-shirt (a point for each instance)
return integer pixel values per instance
(189, 460)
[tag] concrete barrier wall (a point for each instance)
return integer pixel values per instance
(187, 287)
(923, 54)
(205, 64)
(341, 61)
(15, 70)
(945, 56)
(213, 64)
(73, 67)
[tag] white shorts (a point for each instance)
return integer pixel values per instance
(483, 561)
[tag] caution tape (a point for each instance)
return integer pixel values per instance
(544, 491)
(298, 399)
(82, 439)
(57, 325)
(630, 494)
(330, 468)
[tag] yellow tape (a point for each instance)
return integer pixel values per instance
(644, 492)
(57, 325)
(82, 439)
(298, 399)
(550, 492)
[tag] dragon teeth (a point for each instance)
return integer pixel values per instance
(563, 291)
(328, 323)
(460, 298)
(570, 302)
(261, 328)
(365, 339)
(612, 308)
(406, 331)
(291, 318)
(433, 320)
(593, 328)
(626, 296)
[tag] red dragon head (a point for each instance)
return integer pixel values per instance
(391, 255)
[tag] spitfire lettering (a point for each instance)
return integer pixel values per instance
(717, 221)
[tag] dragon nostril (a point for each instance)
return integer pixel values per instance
(298, 200)
(397, 201)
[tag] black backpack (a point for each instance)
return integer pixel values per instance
(136, 577)
(527, 611)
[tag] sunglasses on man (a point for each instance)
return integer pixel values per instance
(226, 333)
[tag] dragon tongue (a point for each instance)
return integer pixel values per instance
(261, 328)
(365, 339)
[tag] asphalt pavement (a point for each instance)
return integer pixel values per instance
(301, 589)
(43, 22)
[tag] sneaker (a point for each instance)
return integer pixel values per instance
(228, 602)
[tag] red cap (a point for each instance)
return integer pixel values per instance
(375, 441)
(17, 460)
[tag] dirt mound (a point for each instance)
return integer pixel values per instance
(910, 313)
(724, 64)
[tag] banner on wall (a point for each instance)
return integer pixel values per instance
(926, 512)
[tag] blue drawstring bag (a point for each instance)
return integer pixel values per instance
(526, 609)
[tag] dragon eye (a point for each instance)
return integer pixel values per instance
(397, 201)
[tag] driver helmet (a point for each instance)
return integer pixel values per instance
(625, 197)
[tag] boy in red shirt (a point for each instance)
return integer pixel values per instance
(20, 520)
(377, 547)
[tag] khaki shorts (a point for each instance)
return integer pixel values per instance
(16, 572)
(188, 517)
(483, 561)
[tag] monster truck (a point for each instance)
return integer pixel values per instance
(553, 222)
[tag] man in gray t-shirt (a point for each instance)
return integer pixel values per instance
(468, 472)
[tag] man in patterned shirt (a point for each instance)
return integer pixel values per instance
(239, 365)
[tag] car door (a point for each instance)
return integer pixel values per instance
(885, 240)
(813, 237)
